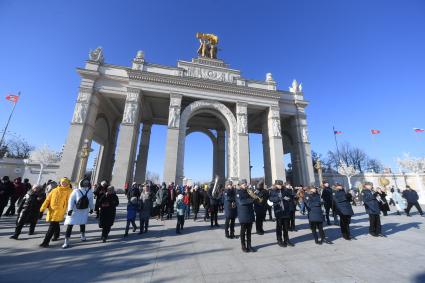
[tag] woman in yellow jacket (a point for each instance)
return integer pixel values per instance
(56, 203)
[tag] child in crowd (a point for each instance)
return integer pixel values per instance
(132, 209)
(181, 210)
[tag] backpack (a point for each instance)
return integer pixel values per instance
(83, 202)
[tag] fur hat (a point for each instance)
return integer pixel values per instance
(278, 182)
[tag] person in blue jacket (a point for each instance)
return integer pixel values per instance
(230, 210)
(245, 207)
(342, 204)
(412, 198)
(313, 204)
(371, 205)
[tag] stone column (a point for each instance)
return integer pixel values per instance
(129, 133)
(243, 141)
(142, 159)
(171, 172)
(82, 127)
(277, 167)
(302, 147)
(221, 155)
(266, 153)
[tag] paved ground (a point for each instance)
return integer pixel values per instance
(204, 255)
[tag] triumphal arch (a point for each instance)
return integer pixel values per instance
(117, 106)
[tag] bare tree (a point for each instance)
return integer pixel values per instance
(43, 156)
(16, 148)
(352, 156)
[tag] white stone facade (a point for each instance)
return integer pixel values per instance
(200, 95)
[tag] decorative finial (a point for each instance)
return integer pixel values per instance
(269, 77)
(295, 88)
(140, 55)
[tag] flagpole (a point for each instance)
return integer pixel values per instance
(336, 144)
(8, 120)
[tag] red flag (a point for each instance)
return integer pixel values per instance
(13, 98)
(417, 130)
(375, 132)
(337, 132)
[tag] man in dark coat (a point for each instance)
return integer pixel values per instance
(206, 202)
(6, 191)
(98, 193)
(108, 203)
(315, 215)
(260, 207)
(18, 193)
(342, 204)
(196, 201)
(412, 198)
(371, 206)
(171, 198)
(327, 201)
(146, 204)
(214, 203)
(230, 209)
(29, 210)
(133, 191)
(245, 207)
(290, 190)
(283, 204)
(161, 200)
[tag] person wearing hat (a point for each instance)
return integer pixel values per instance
(56, 204)
(245, 208)
(6, 191)
(327, 202)
(29, 210)
(80, 204)
(107, 210)
(180, 211)
(161, 200)
(412, 198)
(206, 202)
(371, 205)
(315, 214)
(146, 205)
(132, 209)
(260, 207)
(230, 210)
(282, 201)
(342, 204)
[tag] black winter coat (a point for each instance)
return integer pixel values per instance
(29, 209)
(214, 201)
(108, 205)
(245, 205)
(314, 207)
(411, 196)
(371, 204)
(382, 201)
(283, 202)
(327, 196)
(261, 207)
(196, 200)
(6, 191)
(342, 202)
(229, 199)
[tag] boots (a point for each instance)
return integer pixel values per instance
(83, 237)
(249, 247)
(227, 234)
(281, 243)
(243, 243)
(66, 243)
(316, 238)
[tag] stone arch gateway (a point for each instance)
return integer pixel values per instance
(204, 94)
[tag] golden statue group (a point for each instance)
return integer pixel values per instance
(208, 47)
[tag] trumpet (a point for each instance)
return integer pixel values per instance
(253, 195)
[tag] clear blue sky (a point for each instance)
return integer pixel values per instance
(362, 63)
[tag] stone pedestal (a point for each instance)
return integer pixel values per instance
(129, 132)
(142, 159)
(171, 172)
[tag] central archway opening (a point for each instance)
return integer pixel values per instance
(199, 158)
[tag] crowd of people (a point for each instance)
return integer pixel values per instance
(248, 203)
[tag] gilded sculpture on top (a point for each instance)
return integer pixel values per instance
(208, 45)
